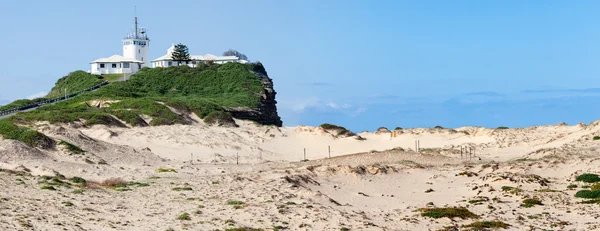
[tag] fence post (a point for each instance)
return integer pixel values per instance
(304, 154)
(329, 150)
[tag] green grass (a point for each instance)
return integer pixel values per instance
(528, 203)
(48, 187)
(203, 90)
(182, 189)
(32, 138)
(161, 170)
(572, 186)
(235, 202)
(483, 225)
(596, 138)
(453, 212)
(220, 118)
(588, 178)
(73, 82)
(112, 77)
(184, 217)
(341, 131)
(74, 149)
(20, 103)
(588, 194)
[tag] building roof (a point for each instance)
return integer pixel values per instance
(168, 56)
(116, 59)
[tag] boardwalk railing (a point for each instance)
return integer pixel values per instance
(50, 101)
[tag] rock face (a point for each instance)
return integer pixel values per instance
(266, 111)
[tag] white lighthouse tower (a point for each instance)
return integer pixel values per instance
(136, 44)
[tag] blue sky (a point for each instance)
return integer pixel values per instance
(360, 64)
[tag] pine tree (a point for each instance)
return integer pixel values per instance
(181, 54)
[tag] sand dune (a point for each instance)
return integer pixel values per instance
(377, 182)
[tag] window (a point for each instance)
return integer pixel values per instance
(114, 65)
(102, 65)
(170, 63)
(125, 65)
(139, 51)
(142, 58)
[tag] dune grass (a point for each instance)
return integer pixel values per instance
(452, 212)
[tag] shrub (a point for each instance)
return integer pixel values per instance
(235, 202)
(531, 202)
(48, 187)
(453, 212)
(588, 178)
(572, 186)
(71, 147)
(78, 180)
(114, 183)
(596, 138)
(75, 81)
(341, 131)
(502, 127)
(184, 216)
(166, 170)
(220, 118)
(438, 127)
(595, 187)
(588, 194)
(481, 225)
(182, 189)
(30, 137)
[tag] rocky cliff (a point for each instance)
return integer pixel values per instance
(266, 112)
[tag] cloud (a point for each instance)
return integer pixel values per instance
(37, 95)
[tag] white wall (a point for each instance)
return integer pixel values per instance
(108, 69)
(137, 52)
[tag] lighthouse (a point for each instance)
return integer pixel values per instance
(136, 45)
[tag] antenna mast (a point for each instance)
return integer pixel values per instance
(136, 23)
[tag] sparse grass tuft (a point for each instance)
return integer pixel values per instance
(528, 203)
(235, 202)
(161, 170)
(67, 203)
(182, 189)
(572, 186)
(184, 217)
(453, 212)
(48, 187)
(468, 174)
(78, 191)
(78, 180)
(74, 149)
(483, 225)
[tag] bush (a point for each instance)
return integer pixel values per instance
(453, 212)
(531, 202)
(184, 216)
(588, 178)
(28, 136)
(572, 186)
(588, 194)
(341, 131)
(75, 81)
(78, 180)
(481, 225)
(71, 147)
(596, 138)
(502, 127)
(220, 118)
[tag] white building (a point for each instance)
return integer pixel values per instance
(167, 60)
(135, 55)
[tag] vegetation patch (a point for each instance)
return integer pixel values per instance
(184, 217)
(30, 137)
(511, 190)
(596, 138)
(502, 127)
(341, 131)
(235, 202)
(453, 212)
(74, 149)
(468, 174)
(182, 189)
(528, 203)
(588, 194)
(480, 225)
(74, 82)
(161, 170)
(220, 118)
(572, 186)
(588, 178)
